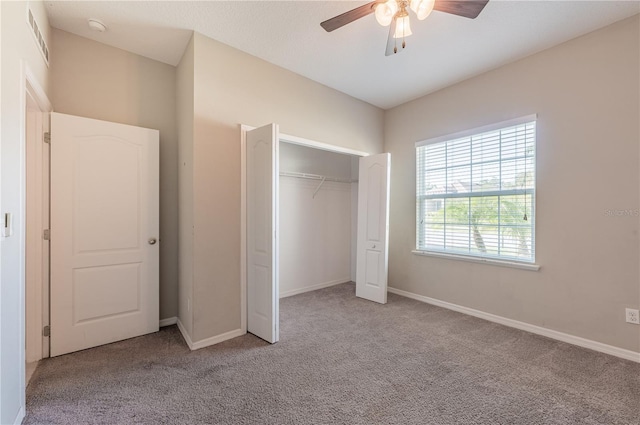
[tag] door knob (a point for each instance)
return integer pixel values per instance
(152, 241)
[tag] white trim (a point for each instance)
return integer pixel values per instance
(35, 246)
(28, 81)
(19, 416)
(480, 260)
(184, 333)
(39, 95)
(295, 140)
(538, 330)
(243, 227)
(21, 231)
(32, 86)
(320, 145)
(167, 322)
(275, 224)
(208, 341)
(46, 258)
(217, 339)
(243, 203)
(477, 130)
(315, 287)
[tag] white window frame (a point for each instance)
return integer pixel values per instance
(506, 262)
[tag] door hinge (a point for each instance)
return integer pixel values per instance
(47, 137)
(46, 235)
(46, 331)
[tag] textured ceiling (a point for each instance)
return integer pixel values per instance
(444, 49)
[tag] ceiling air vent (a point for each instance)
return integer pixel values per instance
(35, 30)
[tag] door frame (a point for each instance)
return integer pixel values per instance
(243, 201)
(29, 86)
(36, 221)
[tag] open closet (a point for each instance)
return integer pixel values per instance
(318, 218)
(313, 215)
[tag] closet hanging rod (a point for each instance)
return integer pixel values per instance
(315, 177)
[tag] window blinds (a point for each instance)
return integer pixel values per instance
(475, 192)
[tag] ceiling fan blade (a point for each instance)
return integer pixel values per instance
(392, 46)
(467, 8)
(348, 17)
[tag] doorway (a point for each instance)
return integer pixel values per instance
(318, 201)
(261, 231)
(36, 127)
(92, 217)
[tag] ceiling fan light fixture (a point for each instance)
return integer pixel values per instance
(393, 13)
(403, 27)
(386, 11)
(422, 8)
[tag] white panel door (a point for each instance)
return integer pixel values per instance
(262, 239)
(373, 228)
(104, 232)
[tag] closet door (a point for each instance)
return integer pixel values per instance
(262, 239)
(373, 228)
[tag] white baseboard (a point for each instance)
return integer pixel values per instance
(185, 334)
(315, 287)
(217, 339)
(549, 333)
(19, 416)
(168, 321)
(208, 341)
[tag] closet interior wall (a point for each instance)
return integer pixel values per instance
(318, 218)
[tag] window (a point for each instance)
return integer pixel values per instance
(475, 192)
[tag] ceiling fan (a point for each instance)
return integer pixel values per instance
(395, 14)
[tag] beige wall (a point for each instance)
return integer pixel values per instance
(19, 50)
(586, 95)
(232, 87)
(93, 80)
(184, 101)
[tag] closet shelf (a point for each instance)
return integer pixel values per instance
(316, 177)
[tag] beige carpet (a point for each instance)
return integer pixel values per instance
(342, 360)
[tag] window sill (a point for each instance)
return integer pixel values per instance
(490, 261)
